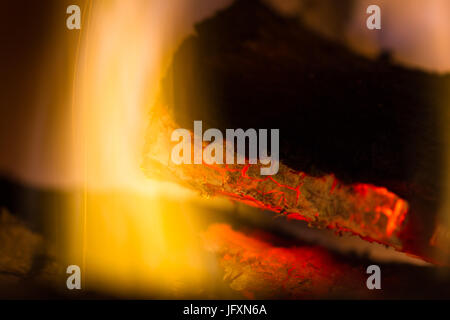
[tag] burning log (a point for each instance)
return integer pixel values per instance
(257, 268)
(359, 146)
(369, 211)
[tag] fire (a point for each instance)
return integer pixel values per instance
(136, 235)
(139, 236)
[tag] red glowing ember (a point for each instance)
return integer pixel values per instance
(371, 212)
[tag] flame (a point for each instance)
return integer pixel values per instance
(137, 236)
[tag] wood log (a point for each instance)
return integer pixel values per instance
(360, 146)
(258, 265)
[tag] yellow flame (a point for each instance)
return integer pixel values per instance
(136, 236)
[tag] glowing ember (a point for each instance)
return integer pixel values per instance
(371, 212)
(257, 269)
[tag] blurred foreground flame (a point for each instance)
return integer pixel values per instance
(138, 236)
